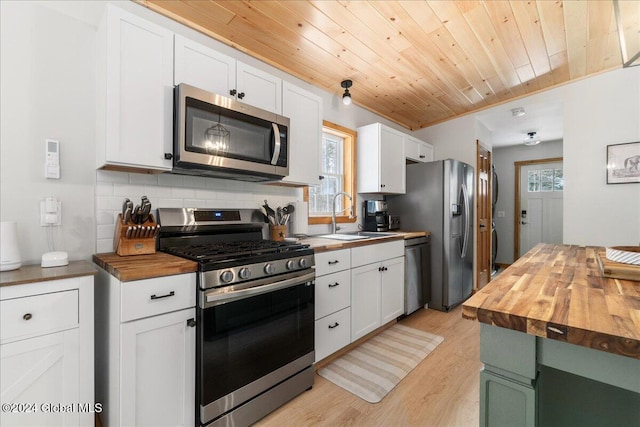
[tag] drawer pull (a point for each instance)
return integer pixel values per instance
(382, 269)
(334, 285)
(170, 294)
(191, 322)
(27, 316)
(335, 325)
(333, 262)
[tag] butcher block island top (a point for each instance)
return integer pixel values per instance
(558, 292)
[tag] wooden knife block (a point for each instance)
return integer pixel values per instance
(125, 246)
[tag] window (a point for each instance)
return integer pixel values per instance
(337, 166)
(545, 180)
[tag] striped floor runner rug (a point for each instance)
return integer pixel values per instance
(375, 367)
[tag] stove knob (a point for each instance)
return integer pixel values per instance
(291, 265)
(226, 276)
(269, 268)
(303, 263)
(244, 273)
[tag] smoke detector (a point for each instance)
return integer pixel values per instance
(517, 112)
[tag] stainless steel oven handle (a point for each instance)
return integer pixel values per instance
(276, 148)
(215, 297)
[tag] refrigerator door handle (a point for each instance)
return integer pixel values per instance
(465, 241)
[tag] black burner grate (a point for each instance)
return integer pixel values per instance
(213, 252)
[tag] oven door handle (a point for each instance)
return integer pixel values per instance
(215, 297)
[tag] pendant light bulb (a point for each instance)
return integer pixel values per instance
(346, 96)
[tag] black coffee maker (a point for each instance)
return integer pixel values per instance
(376, 215)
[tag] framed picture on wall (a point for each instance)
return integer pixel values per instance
(623, 163)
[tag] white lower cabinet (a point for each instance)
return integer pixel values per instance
(377, 286)
(145, 353)
(46, 353)
(158, 353)
(357, 291)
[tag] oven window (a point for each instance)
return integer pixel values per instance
(218, 131)
(247, 339)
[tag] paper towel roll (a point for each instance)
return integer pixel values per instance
(300, 223)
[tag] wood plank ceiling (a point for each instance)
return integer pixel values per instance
(418, 63)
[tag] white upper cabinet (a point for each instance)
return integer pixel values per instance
(417, 150)
(381, 160)
(304, 109)
(135, 93)
(205, 68)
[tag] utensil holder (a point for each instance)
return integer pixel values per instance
(141, 239)
(278, 232)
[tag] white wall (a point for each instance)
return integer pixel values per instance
(600, 110)
(47, 80)
(503, 160)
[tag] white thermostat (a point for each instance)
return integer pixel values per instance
(52, 161)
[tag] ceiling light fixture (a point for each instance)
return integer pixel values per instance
(531, 139)
(517, 112)
(346, 96)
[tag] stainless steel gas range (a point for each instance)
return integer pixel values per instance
(255, 322)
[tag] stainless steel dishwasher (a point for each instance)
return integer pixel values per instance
(417, 278)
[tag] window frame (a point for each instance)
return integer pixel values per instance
(349, 168)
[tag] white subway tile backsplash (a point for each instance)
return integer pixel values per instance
(133, 192)
(143, 179)
(170, 180)
(183, 193)
(194, 181)
(177, 191)
(152, 191)
(106, 231)
(112, 176)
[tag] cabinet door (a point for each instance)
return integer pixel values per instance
(41, 370)
(392, 289)
(157, 373)
(365, 300)
(392, 161)
(412, 148)
(426, 152)
(139, 98)
(200, 66)
(304, 110)
(258, 88)
(506, 403)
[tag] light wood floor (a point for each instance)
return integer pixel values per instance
(442, 391)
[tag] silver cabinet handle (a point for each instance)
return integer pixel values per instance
(276, 140)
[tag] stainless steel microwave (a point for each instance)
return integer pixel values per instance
(219, 136)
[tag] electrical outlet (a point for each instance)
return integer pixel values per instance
(500, 214)
(50, 212)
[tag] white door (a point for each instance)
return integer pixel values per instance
(540, 216)
(392, 290)
(365, 300)
(158, 371)
(257, 88)
(40, 371)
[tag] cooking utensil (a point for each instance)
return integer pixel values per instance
(288, 210)
(271, 214)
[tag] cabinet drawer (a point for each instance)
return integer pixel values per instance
(44, 313)
(332, 333)
(149, 297)
(333, 293)
(369, 254)
(332, 261)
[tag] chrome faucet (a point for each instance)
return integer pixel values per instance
(334, 227)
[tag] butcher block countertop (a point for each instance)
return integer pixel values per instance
(558, 292)
(35, 273)
(320, 244)
(137, 267)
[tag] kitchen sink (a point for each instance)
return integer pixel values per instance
(355, 235)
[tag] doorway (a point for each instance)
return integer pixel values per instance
(539, 190)
(484, 203)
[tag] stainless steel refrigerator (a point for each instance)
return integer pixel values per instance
(440, 199)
